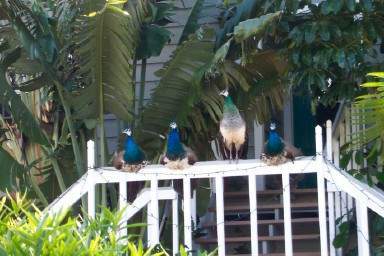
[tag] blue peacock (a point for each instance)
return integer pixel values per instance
(132, 157)
(276, 150)
(177, 156)
(232, 128)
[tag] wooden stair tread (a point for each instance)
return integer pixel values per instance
(271, 192)
(261, 222)
(245, 206)
(239, 239)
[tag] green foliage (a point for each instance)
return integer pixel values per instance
(253, 27)
(153, 35)
(25, 230)
(192, 22)
(105, 43)
(327, 44)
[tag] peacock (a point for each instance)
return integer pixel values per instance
(132, 157)
(178, 156)
(276, 150)
(232, 128)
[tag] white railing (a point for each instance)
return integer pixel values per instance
(327, 174)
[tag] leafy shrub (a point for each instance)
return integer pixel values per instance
(25, 230)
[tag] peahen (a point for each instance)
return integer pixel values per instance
(132, 157)
(232, 127)
(276, 150)
(177, 156)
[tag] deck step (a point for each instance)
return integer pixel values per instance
(240, 239)
(245, 206)
(260, 222)
(271, 192)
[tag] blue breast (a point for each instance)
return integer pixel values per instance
(133, 153)
(274, 145)
(175, 149)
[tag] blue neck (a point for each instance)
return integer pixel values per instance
(133, 153)
(275, 144)
(175, 149)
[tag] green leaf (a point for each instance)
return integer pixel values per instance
(192, 22)
(359, 157)
(8, 57)
(20, 113)
(243, 11)
(345, 158)
(351, 4)
(34, 83)
(254, 27)
(367, 5)
(153, 39)
(178, 90)
(10, 169)
(310, 33)
(106, 46)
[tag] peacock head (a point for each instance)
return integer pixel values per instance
(173, 125)
(128, 132)
(272, 126)
(225, 93)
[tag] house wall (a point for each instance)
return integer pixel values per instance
(208, 17)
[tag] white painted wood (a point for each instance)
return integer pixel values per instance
(253, 214)
(264, 247)
(194, 208)
(123, 203)
(91, 198)
(331, 221)
(319, 142)
(144, 199)
(175, 226)
(329, 140)
(337, 215)
(322, 214)
(153, 236)
(287, 215)
(321, 193)
(70, 196)
(209, 169)
(372, 196)
(187, 213)
(362, 229)
(90, 154)
(336, 152)
(258, 138)
(220, 215)
(344, 206)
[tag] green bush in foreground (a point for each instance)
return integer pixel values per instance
(25, 230)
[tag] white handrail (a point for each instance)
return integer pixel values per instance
(366, 197)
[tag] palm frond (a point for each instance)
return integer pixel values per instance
(105, 43)
(180, 91)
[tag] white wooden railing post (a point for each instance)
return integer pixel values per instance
(253, 214)
(175, 226)
(91, 154)
(220, 215)
(331, 195)
(153, 218)
(123, 203)
(91, 189)
(321, 194)
(187, 213)
(287, 215)
(91, 199)
(362, 228)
